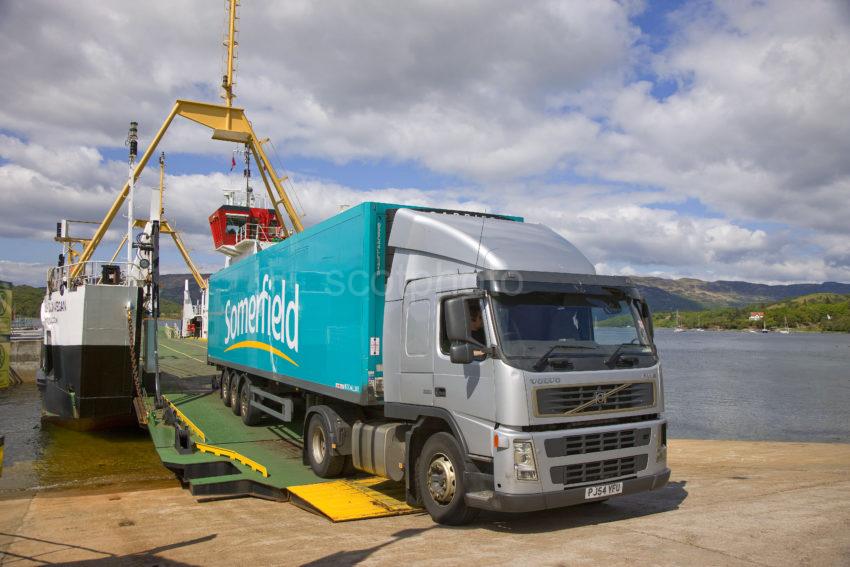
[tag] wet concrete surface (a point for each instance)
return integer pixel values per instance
(728, 503)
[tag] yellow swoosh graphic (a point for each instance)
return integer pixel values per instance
(260, 346)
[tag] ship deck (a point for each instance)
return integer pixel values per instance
(216, 455)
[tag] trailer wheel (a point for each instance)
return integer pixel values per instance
(250, 414)
(225, 387)
(439, 475)
(319, 451)
(234, 395)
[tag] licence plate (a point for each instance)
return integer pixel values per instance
(603, 490)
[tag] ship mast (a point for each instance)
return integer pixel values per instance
(229, 124)
(161, 183)
(227, 79)
(133, 143)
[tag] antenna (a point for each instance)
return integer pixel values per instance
(480, 238)
(227, 79)
(161, 183)
(133, 143)
(247, 174)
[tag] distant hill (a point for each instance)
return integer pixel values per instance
(26, 302)
(662, 294)
(813, 312)
(663, 300)
(171, 287)
(685, 294)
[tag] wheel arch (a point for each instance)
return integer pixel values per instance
(338, 422)
(427, 421)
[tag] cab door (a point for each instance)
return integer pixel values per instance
(417, 344)
(466, 390)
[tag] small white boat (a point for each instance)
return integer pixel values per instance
(679, 328)
(699, 328)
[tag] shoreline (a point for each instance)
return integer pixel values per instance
(166, 481)
(728, 502)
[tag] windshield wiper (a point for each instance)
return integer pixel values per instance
(615, 356)
(543, 360)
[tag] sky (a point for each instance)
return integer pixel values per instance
(675, 139)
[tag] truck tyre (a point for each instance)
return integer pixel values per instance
(225, 387)
(250, 414)
(234, 394)
(319, 451)
(439, 476)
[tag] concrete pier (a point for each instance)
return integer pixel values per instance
(25, 356)
(728, 503)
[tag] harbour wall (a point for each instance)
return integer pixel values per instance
(25, 357)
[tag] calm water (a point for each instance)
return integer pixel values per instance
(730, 385)
(718, 385)
(43, 456)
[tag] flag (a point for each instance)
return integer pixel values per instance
(232, 162)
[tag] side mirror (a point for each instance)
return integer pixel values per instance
(462, 353)
(457, 320)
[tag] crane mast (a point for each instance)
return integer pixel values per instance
(227, 79)
(229, 124)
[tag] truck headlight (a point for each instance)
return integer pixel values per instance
(524, 465)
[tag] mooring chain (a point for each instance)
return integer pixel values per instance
(140, 391)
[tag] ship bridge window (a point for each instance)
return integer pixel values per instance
(234, 223)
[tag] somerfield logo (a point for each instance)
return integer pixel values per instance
(268, 313)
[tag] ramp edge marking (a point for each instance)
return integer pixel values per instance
(233, 455)
(182, 417)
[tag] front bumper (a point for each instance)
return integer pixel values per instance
(501, 502)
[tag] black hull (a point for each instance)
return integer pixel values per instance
(90, 383)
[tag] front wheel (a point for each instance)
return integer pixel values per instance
(319, 451)
(439, 474)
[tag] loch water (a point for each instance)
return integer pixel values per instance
(718, 385)
(755, 386)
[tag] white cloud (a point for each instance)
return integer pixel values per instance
(30, 273)
(505, 100)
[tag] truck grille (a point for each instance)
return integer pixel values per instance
(595, 442)
(597, 470)
(594, 398)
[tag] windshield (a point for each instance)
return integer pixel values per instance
(567, 331)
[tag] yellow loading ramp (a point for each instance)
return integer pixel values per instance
(353, 499)
(339, 500)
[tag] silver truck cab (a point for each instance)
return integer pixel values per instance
(545, 373)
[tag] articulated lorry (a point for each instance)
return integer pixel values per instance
(476, 357)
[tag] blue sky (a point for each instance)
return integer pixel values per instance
(676, 139)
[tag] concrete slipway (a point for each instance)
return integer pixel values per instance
(728, 503)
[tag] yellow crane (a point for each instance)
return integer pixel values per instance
(227, 123)
(165, 228)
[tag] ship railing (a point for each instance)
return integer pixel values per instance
(90, 273)
(251, 231)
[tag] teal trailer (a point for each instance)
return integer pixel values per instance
(308, 312)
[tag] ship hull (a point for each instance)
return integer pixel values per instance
(86, 360)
